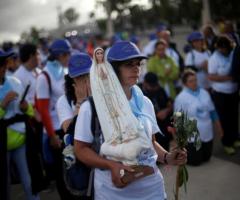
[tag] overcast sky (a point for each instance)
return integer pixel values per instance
(17, 16)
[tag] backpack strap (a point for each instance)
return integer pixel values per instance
(95, 126)
(48, 80)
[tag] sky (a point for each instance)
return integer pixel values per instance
(17, 16)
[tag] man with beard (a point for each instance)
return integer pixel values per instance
(162, 105)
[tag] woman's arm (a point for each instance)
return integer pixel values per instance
(88, 156)
(174, 157)
(218, 78)
(43, 108)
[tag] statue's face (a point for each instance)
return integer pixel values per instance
(99, 55)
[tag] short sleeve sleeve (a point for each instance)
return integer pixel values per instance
(83, 124)
(42, 88)
(212, 65)
(189, 60)
(150, 109)
(16, 86)
(64, 110)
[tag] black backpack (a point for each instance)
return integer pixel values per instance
(79, 177)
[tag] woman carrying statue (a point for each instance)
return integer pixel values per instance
(128, 125)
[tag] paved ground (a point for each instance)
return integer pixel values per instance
(215, 180)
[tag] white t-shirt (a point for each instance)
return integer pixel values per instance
(64, 110)
(196, 58)
(198, 106)
(43, 92)
(150, 187)
(173, 54)
(13, 107)
(83, 125)
(27, 77)
(148, 50)
(221, 65)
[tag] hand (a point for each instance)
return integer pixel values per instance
(115, 168)
(23, 106)
(55, 142)
(82, 89)
(177, 157)
(8, 98)
(168, 71)
(204, 65)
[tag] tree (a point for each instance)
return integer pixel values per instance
(119, 6)
(70, 16)
(228, 9)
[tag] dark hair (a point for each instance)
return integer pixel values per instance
(151, 78)
(161, 41)
(26, 51)
(3, 62)
(51, 57)
(69, 89)
(186, 74)
(116, 65)
(224, 42)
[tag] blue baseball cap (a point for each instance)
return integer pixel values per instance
(79, 64)
(134, 39)
(7, 54)
(124, 50)
(60, 46)
(161, 27)
(196, 35)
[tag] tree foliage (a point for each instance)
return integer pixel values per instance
(70, 16)
(170, 11)
(227, 9)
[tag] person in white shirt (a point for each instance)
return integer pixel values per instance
(11, 105)
(13, 63)
(27, 73)
(162, 33)
(49, 87)
(77, 89)
(197, 103)
(125, 58)
(197, 58)
(225, 92)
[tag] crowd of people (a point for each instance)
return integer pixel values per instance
(45, 99)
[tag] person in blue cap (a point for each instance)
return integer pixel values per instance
(148, 50)
(13, 63)
(11, 91)
(49, 87)
(77, 89)
(225, 93)
(197, 58)
(125, 59)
